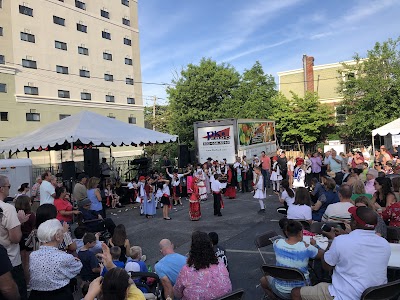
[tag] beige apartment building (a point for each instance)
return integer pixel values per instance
(58, 57)
(323, 79)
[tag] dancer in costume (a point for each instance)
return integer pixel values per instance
(299, 174)
(176, 185)
(231, 183)
(194, 201)
(276, 176)
(259, 192)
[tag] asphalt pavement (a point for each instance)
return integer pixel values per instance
(237, 228)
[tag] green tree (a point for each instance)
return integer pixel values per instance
(252, 99)
(198, 94)
(301, 120)
(370, 89)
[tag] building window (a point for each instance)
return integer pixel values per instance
(126, 22)
(33, 117)
(63, 94)
(83, 50)
(129, 81)
(86, 96)
(132, 120)
(62, 69)
(60, 45)
(127, 42)
(110, 98)
(27, 37)
(62, 116)
(3, 116)
(26, 10)
(107, 56)
(84, 73)
(80, 4)
(106, 35)
(31, 90)
(108, 77)
(1, 31)
(130, 100)
(2, 60)
(125, 2)
(81, 27)
(128, 61)
(1, 3)
(58, 21)
(3, 88)
(27, 63)
(105, 14)
(341, 114)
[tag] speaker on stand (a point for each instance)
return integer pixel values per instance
(91, 162)
(183, 156)
(68, 174)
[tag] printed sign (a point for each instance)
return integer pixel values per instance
(216, 142)
(253, 133)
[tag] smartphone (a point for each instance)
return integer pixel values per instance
(326, 228)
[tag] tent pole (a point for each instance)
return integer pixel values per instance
(27, 153)
(373, 145)
(72, 151)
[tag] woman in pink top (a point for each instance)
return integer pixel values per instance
(203, 277)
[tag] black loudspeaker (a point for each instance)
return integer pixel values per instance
(183, 156)
(192, 156)
(68, 170)
(92, 164)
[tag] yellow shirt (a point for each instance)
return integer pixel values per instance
(134, 293)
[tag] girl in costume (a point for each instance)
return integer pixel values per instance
(259, 191)
(276, 176)
(299, 175)
(194, 200)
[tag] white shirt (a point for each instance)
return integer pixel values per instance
(237, 166)
(215, 185)
(132, 185)
(289, 200)
(165, 190)
(299, 212)
(46, 190)
(175, 182)
(337, 212)
(9, 221)
(360, 259)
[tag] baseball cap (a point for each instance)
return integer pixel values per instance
(353, 211)
(84, 202)
(132, 266)
(373, 173)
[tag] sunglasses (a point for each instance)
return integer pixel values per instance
(9, 186)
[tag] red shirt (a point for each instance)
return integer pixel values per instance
(62, 204)
(266, 163)
(392, 213)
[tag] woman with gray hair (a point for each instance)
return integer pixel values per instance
(52, 269)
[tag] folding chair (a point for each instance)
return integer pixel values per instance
(387, 291)
(235, 295)
(263, 240)
(393, 234)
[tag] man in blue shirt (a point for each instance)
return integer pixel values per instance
(169, 267)
(335, 165)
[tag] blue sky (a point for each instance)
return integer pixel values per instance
(175, 33)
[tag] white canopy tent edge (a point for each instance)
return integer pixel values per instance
(392, 128)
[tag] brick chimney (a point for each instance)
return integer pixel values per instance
(308, 68)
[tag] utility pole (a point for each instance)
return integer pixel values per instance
(154, 112)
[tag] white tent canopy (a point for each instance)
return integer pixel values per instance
(390, 128)
(87, 128)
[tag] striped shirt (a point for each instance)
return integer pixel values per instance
(293, 256)
(338, 212)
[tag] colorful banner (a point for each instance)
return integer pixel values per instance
(253, 133)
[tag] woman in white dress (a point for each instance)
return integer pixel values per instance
(259, 191)
(276, 176)
(201, 184)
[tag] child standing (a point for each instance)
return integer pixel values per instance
(216, 190)
(259, 191)
(299, 174)
(115, 252)
(90, 265)
(276, 176)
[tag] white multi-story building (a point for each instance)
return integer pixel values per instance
(58, 57)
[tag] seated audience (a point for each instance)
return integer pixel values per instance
(291, 252)
(370, 182)
(52, 269)
(120, 239)
(301, 208)
(383, 197)
(93, 220)
(116, 284)
(391, 214)
(220, 252)
(317, 189)
(381, 228)
(287, 196)
(64, 208)
(136, 256)
(90, 264)
(396, 187)
(169, 267)
(352, 257)
(115, 252)
(330, 196)
(359, 190)
(79, 233)
(339, 212)
(203, 277)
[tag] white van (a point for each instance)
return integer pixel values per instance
(18, 171)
